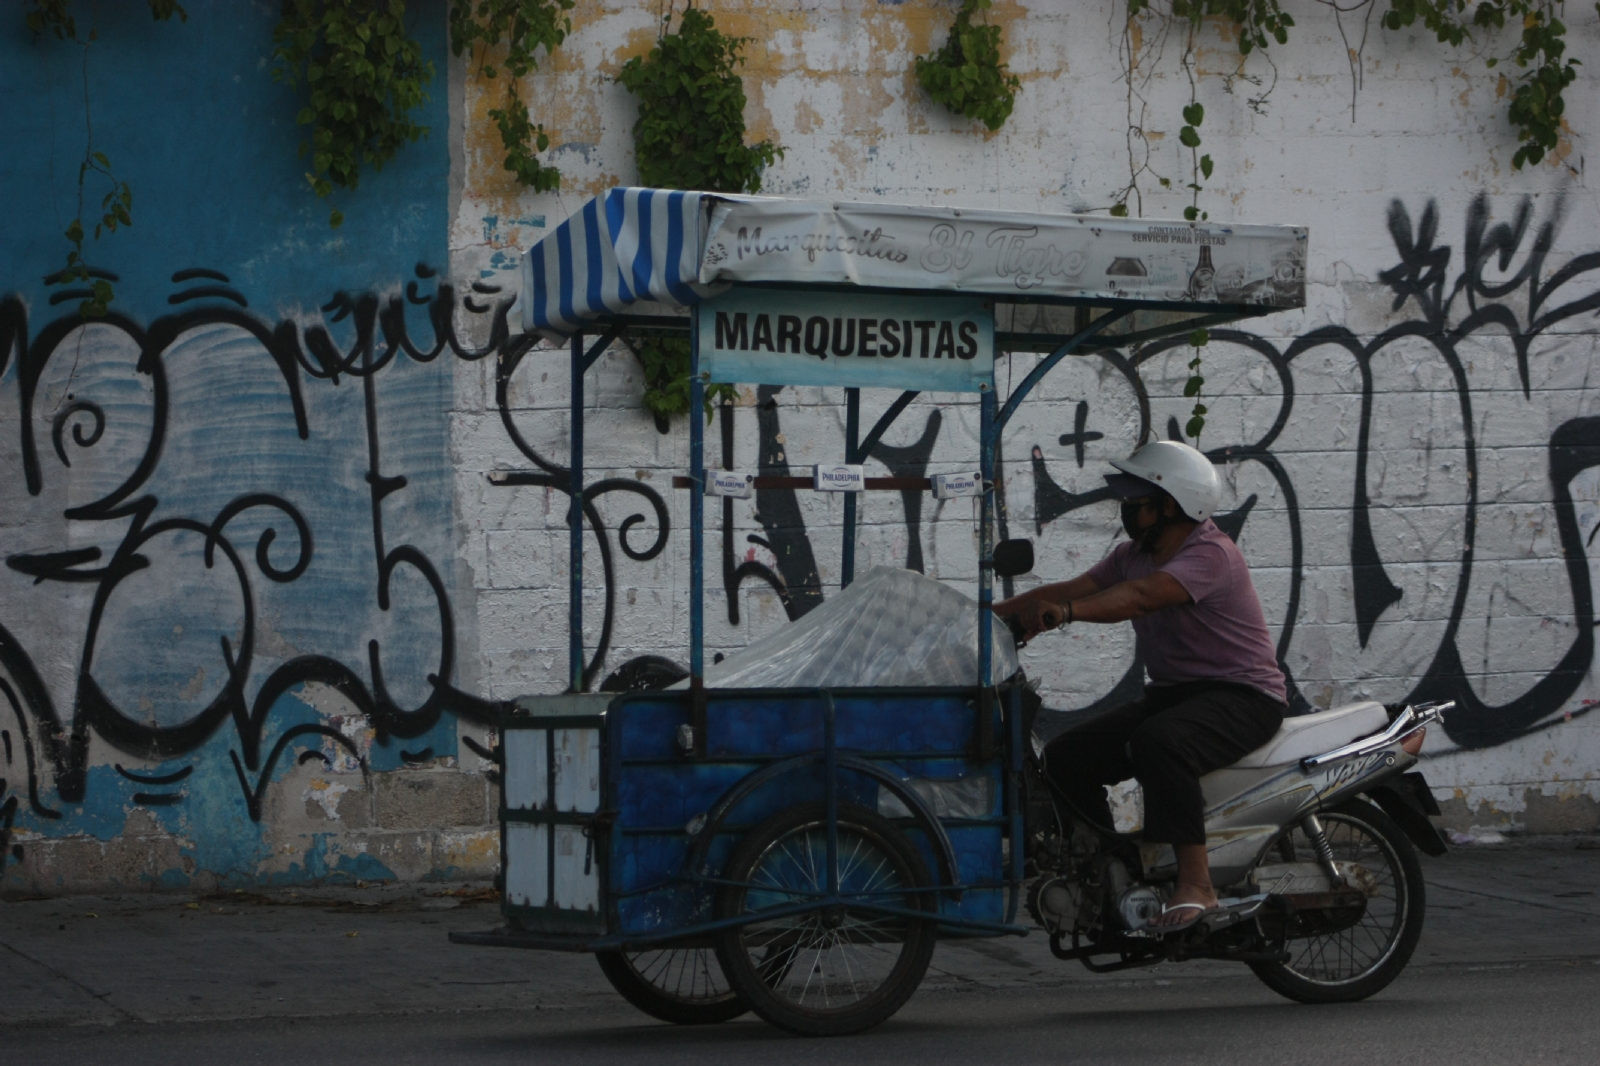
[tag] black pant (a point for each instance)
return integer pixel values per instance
(1168, 740)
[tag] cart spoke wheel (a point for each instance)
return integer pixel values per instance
(1354, 959)
(682, 985)
(844, 966)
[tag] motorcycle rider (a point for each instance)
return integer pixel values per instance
(1215, 691)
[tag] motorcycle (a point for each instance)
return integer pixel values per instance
(1312, 841)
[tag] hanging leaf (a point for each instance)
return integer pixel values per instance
(966, 75)
(690, 134)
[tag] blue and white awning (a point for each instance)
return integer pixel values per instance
(625, 246)
(679, 248)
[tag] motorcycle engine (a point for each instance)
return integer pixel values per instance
(1055, 903)
(1134, 905)
(1138, 906)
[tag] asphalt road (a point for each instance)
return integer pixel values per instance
(1508, 971)
(1522, 1013)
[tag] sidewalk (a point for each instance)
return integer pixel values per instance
(383, 949)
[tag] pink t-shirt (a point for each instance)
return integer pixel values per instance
(1221, 636)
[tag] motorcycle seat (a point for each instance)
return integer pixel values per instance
(1305, 735)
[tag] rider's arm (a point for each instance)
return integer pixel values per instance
(1060, 592)
(1037, 610)
(1130, 599)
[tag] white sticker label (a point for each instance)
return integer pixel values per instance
(729, 483)
(949, 486)
(844, 477)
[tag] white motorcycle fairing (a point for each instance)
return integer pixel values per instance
(1290, 776)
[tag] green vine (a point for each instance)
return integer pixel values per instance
(1536, 102)
(363, 75)
(690, 134)
(55, 18)
(690, 130)
(526, 24)
(966, 75)
(1198, 339)
(1535, 109)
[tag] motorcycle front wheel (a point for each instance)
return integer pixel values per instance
(1360, 959)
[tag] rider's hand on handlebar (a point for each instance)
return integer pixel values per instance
(1036, 616)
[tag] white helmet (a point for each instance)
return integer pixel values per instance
(1181, 471)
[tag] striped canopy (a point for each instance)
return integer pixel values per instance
(676, 249)
(622, 247)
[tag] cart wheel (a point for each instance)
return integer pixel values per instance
(834, 971)
(680, 985)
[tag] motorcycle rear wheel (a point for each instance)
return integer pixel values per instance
(1355, 962)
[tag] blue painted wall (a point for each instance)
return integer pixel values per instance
(239, 481)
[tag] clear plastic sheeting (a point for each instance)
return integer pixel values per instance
(890, 628)
(947, 797)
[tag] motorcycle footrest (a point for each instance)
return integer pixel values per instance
(1234, 910)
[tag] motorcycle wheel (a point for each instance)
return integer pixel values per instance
(1355, 962)
(822, 973)
(681, 985)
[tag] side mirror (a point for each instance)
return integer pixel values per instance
(1013, 557)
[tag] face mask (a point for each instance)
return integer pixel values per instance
(1146, 538)
(1130, 519)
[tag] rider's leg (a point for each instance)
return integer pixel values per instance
(1081, 761)
(1213, 727)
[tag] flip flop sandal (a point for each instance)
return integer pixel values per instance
(1200, 911)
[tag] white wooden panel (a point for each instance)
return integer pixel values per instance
(575, 889)
(526, 768)
(527, 864)
(578, 770)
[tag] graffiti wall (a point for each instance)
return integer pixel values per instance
(1407, 461)
(229, 605)
(1418, 504)
(284, 529)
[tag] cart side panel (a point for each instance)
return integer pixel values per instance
(550, 812)
(660, 795)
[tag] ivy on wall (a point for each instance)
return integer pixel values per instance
(525, 25)
(690, 134)
(363, 75)
(55, 18)
(690, 130)
(966, 75)
(1538, 50)
(1535, 108)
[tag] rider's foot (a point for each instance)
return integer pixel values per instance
(1188, 899)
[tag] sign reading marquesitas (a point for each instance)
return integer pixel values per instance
(776, 337)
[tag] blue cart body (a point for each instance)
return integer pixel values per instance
(636, 859)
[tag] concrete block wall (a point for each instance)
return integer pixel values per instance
(231, 616)
(1399, 441)
(1410, 457)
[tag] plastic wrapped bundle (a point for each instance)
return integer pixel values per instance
(890, 628)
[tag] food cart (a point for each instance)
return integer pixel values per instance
(787, 849)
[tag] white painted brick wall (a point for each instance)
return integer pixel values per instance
(829, 80)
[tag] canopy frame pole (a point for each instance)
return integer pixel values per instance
(697, 522)
(988, 434)
(1048, 364)
(852, 431)
(575, 523)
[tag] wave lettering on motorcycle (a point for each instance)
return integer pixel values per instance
(1345, 773)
